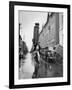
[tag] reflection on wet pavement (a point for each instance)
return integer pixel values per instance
(27, 68)
(45, 69)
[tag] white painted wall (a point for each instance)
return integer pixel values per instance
(4, 44)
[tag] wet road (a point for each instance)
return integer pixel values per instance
(27, 68)
(45, 69)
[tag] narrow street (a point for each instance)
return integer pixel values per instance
(41, 52)
(45, 69)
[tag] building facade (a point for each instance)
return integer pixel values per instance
(61, 29)
(52, 31)
(36, 33)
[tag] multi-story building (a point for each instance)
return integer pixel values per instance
(52, 31)
(36, 33)
(61, 29)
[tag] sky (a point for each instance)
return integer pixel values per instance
(28, 20)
